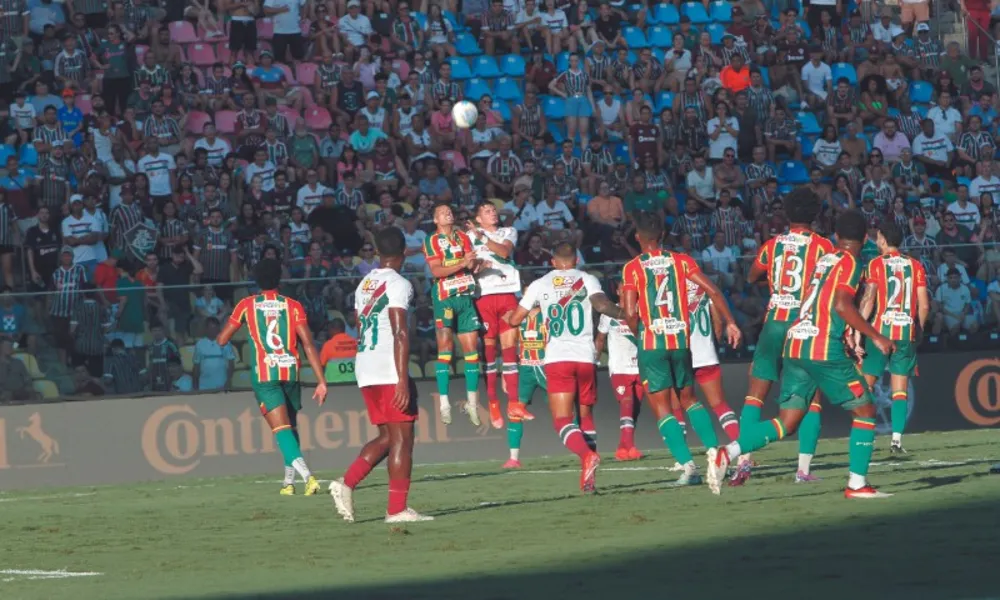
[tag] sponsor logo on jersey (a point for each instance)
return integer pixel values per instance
(803, 331)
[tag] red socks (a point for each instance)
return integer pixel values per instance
(727, 418)
(571, 436)
(626, 423)
(490, 352)
(358, 470)
(399, 489)
(510, 375)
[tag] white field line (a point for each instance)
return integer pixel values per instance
(49, 497)
(9, 575)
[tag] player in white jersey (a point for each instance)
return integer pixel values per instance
(568, 297)
(498, 281)
(383, 301)
(623, 367)
(704, 358)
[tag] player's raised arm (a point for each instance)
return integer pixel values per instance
(733, 333)
(305, 336)
(400, 356)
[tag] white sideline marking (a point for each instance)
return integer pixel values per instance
(34, 574)
(50, 497)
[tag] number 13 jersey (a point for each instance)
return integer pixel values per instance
(564, 297)
(271, 321)
(789, 260)
(379, 291)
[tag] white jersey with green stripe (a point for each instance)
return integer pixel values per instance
(623, 355)
(379, 291)
(703, 353)
(499, 275)
(564, 297)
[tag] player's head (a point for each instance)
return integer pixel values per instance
(267, 273)
(648, 229)
(337, 326)
(391, 245)
(851, 228)
(486, 214)
(564, 256)
(801, 206)
(890, 235)
(443, 215)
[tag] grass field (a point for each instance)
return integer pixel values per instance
(529, 534)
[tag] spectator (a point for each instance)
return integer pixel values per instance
(122, 373)
(891, 141)
(340, 345)
(160, 354)
(953, 307)
(87, 328)
(213, 364)
(15, 382)
(216, 250)
(129, 320)
(719, 261)
(960, 238)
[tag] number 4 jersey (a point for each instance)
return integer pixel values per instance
(271, 321)
(564, 297)
(379, 291)
(660, 279)
(789, 260)
(897, 280)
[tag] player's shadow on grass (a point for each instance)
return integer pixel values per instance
(939, 553)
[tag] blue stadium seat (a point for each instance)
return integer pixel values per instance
(807, 142)
(722, 11)
(459, 68)
(806, 30)
(696, 12)
(922, 110)
(808, 123)
(658, 55)
(467, 45)
(420, 18)
(485, 66)
(513, 65)
(793, 172)
(963, 181)
(504, 109)
(660, 37)
(554, 107)
(663, 100)
(765, 76)
(562, 62)
(508, 89)
(921, 92)
(28, 156)
(844, 70)
(716, 31)
(632, 58)
(557, 131)
(634, 37)
(455, 21)
(476, 88)
(665, 14)
(621, 150)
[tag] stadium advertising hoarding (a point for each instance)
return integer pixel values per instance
(93, 442)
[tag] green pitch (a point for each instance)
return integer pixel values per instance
(529, 534)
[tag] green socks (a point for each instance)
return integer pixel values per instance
(673, 437)
(809, 431)
(515, 431)
(471, 373)
(757, 436)
(898, 412)
(702, 425)
(442, 372)
(750, 415)
(861, 445)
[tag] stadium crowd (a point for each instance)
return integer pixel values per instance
(154, 153)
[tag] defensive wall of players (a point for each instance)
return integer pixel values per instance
(211, 435)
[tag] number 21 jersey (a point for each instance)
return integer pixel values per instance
(379, 291)
(271, 321)
(564, 297)
(789, 260)
(897, 280)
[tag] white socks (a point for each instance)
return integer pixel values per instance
(515, 454)
(856, 482)
(897, 438)
(805, 460)
(733, 451)
(289, 475)
(299, 464)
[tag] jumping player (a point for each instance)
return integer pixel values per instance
(531, 375)
(498, 280)
(788, 260)
(452, 262)
(815, 358)
(706, 322)
(895, 286)
(655, 298)
(383, 299)
(567, 297)
(276, 324)
(623, 367)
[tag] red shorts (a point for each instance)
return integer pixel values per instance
(491, 310)
(378, 400)
(626, 386)
(573, 378)
(707, 374)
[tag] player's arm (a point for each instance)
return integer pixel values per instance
(716, 320)
(631, 309)
(515, 317)
(843, 303)
(868, 300)
(761, 264)
(439, 271)
(233, 324)
(305, 336)
(605, 306)
(733, 333)
(400, 356)
(923, 297)
(600, 342)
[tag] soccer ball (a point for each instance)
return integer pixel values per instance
(465, 114)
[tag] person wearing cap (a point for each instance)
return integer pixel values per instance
(355, 28)
(272, 83)
(928, 51)
(81, 234)
(287, 31)
(735, 76)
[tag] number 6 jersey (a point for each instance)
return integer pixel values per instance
(379, 291)
(564, 297)
(271, 321)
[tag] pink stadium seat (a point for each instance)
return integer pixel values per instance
(225, 121)
(215, 39)
(290, 114)
(289, 76)
(202, 55)
(223, 53)
(196, 121)
(265, 29)
(305, 73)
(307, 97)
(317, 118)
(200, 76)
(402, 68)
(183, 32)
(455, 158)
(83, 103)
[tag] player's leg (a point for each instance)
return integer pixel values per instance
(444, 320)
(527, 382)
(562, 386)
(623, 387)
(508, 351)
(679, 363)
(808, 440)
(670, 430)
(370, 456)
(709, 379)
(902, 366)
(468, 338)
(764, 370)
(678, 411)
(274, 401)
(491, 331)
(586, 399)
(400, 466)
(288, 484)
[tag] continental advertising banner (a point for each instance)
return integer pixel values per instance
(172, 437)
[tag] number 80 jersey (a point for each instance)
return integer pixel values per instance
(379, 291)
(564, 297)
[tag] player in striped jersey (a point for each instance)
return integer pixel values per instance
(568, 297)
(623, 367)
(787, 260)
(655, 298)
(276, 324)
(498, 280)
(896, 285)
(533, 336)
(816, 359)
(452, 262)
(383, 299)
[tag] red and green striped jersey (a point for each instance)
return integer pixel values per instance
(897, 279)
(534, 336)
(450, 250)
(789, 259)
(271, 320)
(818, 334)
(660, 280)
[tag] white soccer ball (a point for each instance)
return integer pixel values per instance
(465, 114)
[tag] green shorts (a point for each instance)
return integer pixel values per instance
(273, 394)
(457, 312)
(839, 381)
(528, 380)
(665, 369)
(766, 363)
(901, 362)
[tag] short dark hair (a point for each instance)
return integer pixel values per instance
(390, 242)
(649, 226)
(802, 205)
(892, 233)
(954, 271)
(851, 225)
(564, 250)
(268, 274)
